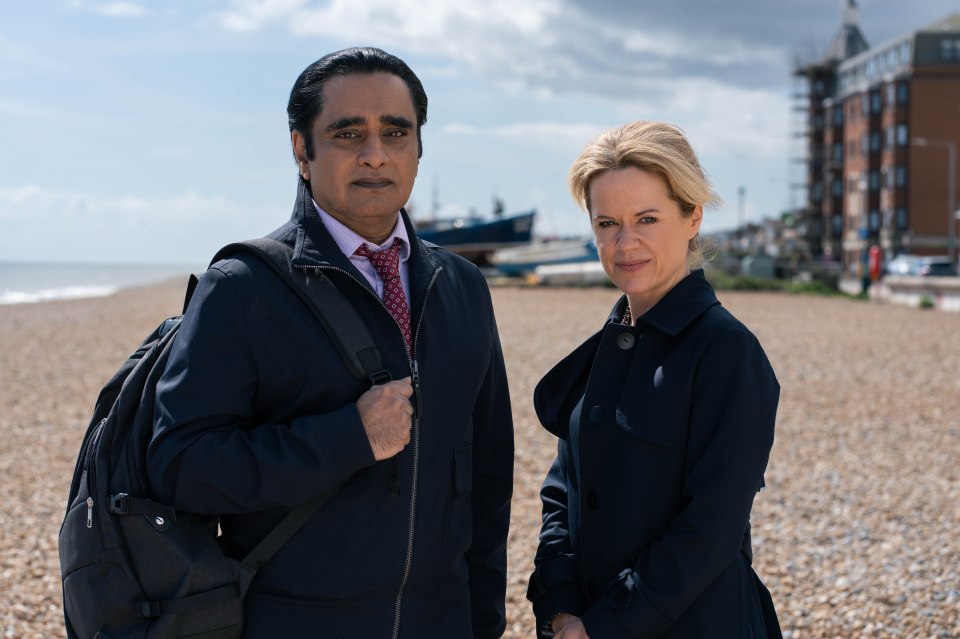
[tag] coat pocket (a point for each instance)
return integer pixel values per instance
(457, 526)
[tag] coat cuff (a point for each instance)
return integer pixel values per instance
(554, 589)
(341, 436)
(624, 611)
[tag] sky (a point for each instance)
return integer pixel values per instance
(155, 131)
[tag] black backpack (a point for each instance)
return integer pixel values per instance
(133, 567)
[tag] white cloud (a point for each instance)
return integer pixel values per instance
(46, 224)
(118, 9)
(555, 136)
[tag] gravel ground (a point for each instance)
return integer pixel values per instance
(854, 534)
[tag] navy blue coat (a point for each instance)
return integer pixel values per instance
(255, 414)
(664, 433)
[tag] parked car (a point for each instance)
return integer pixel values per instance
(922, 265)
(936, 266)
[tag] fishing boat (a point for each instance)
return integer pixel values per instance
(523, 260)
(475, 237)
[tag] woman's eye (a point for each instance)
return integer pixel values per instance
(647, 219)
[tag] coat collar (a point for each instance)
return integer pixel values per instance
(315, 246)
(685, 302)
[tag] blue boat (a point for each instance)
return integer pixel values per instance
(476, 238)
(524, 260)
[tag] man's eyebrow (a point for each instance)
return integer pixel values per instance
(396, 120)
(343, 123)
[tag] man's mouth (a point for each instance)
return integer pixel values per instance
(372, 183)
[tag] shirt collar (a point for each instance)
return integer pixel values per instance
(349, 241)
(682, 304)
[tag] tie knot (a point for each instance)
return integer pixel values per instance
(386, 262)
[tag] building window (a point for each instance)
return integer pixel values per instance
(817, 122)
(837, 225)
(875, 103)
(874, 180)
(889, 132)
(837, 188)
(900, 173)
(891, 94)
(950, 50)
(838, 116)
(886, 177)
(901, 218)
(838, 152)
(901, 135)
(863, 144)
(875, 142)
(902, 93)
(905, 53)
(874, 219)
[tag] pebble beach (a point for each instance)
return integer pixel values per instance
(856, 533)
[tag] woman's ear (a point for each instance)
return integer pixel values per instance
(695, 219)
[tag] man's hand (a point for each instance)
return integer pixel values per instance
(385, 411)
(568, 627)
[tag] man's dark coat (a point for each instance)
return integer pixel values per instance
(665, 429)
(255, 415)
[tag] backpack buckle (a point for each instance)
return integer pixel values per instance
(119, 504)
(380, 377)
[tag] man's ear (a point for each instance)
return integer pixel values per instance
(300, 153)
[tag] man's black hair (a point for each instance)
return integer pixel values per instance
(306, 97)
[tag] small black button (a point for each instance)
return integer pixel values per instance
(626, 341)
(592, 500)
(592, 587)
(596, 414)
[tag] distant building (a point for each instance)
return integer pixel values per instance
(877, 127)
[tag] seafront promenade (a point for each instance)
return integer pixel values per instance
(855, 532)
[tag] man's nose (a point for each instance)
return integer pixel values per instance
(373, 153)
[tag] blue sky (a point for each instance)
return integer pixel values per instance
(155, 131)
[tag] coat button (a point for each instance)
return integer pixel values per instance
(596, 414)
(592, 587)
(626, 341)
(592, 500)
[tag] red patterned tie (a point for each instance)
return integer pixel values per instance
(387, 264)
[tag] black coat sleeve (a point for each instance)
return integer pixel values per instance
(553, 585)
(207, 455)
(734, 402)
(491, 494)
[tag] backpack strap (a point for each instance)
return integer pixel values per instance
(331, 308)
(353, 341)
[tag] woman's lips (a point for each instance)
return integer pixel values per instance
(632, 265)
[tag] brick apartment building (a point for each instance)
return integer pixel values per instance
(878, 128)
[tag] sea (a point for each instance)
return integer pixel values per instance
(27, 283)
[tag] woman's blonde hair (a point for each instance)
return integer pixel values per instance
(654, 147)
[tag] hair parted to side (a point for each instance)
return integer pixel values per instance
(655, 147)
(306, 97)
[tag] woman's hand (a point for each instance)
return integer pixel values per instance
(568, 627)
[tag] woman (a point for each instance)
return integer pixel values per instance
(665, 421)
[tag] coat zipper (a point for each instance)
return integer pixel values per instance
(417, 413)
(415, 428)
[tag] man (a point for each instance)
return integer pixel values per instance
(256, 413)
